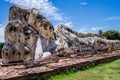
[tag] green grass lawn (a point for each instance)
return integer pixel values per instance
(108, 71)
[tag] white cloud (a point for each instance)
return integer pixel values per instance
(1, 33)
(0, 25)
(94, 29)
(83, 3)
(69, 24)
(45, 6)
(112, 18)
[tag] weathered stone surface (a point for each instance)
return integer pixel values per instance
(38, 22)
(28, 35)
(20, 41)
(16, 31)
(34, 18)
(82, 43)
(19, 13)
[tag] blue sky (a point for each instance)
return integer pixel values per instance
(80, 15)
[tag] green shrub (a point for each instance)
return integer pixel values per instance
(111, 34)
(1, 44)
(100, 32)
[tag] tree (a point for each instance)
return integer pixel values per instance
(112, 34)
(1, 44)
(100, 32)
(119, 36)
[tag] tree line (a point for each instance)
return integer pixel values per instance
(110, 34)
